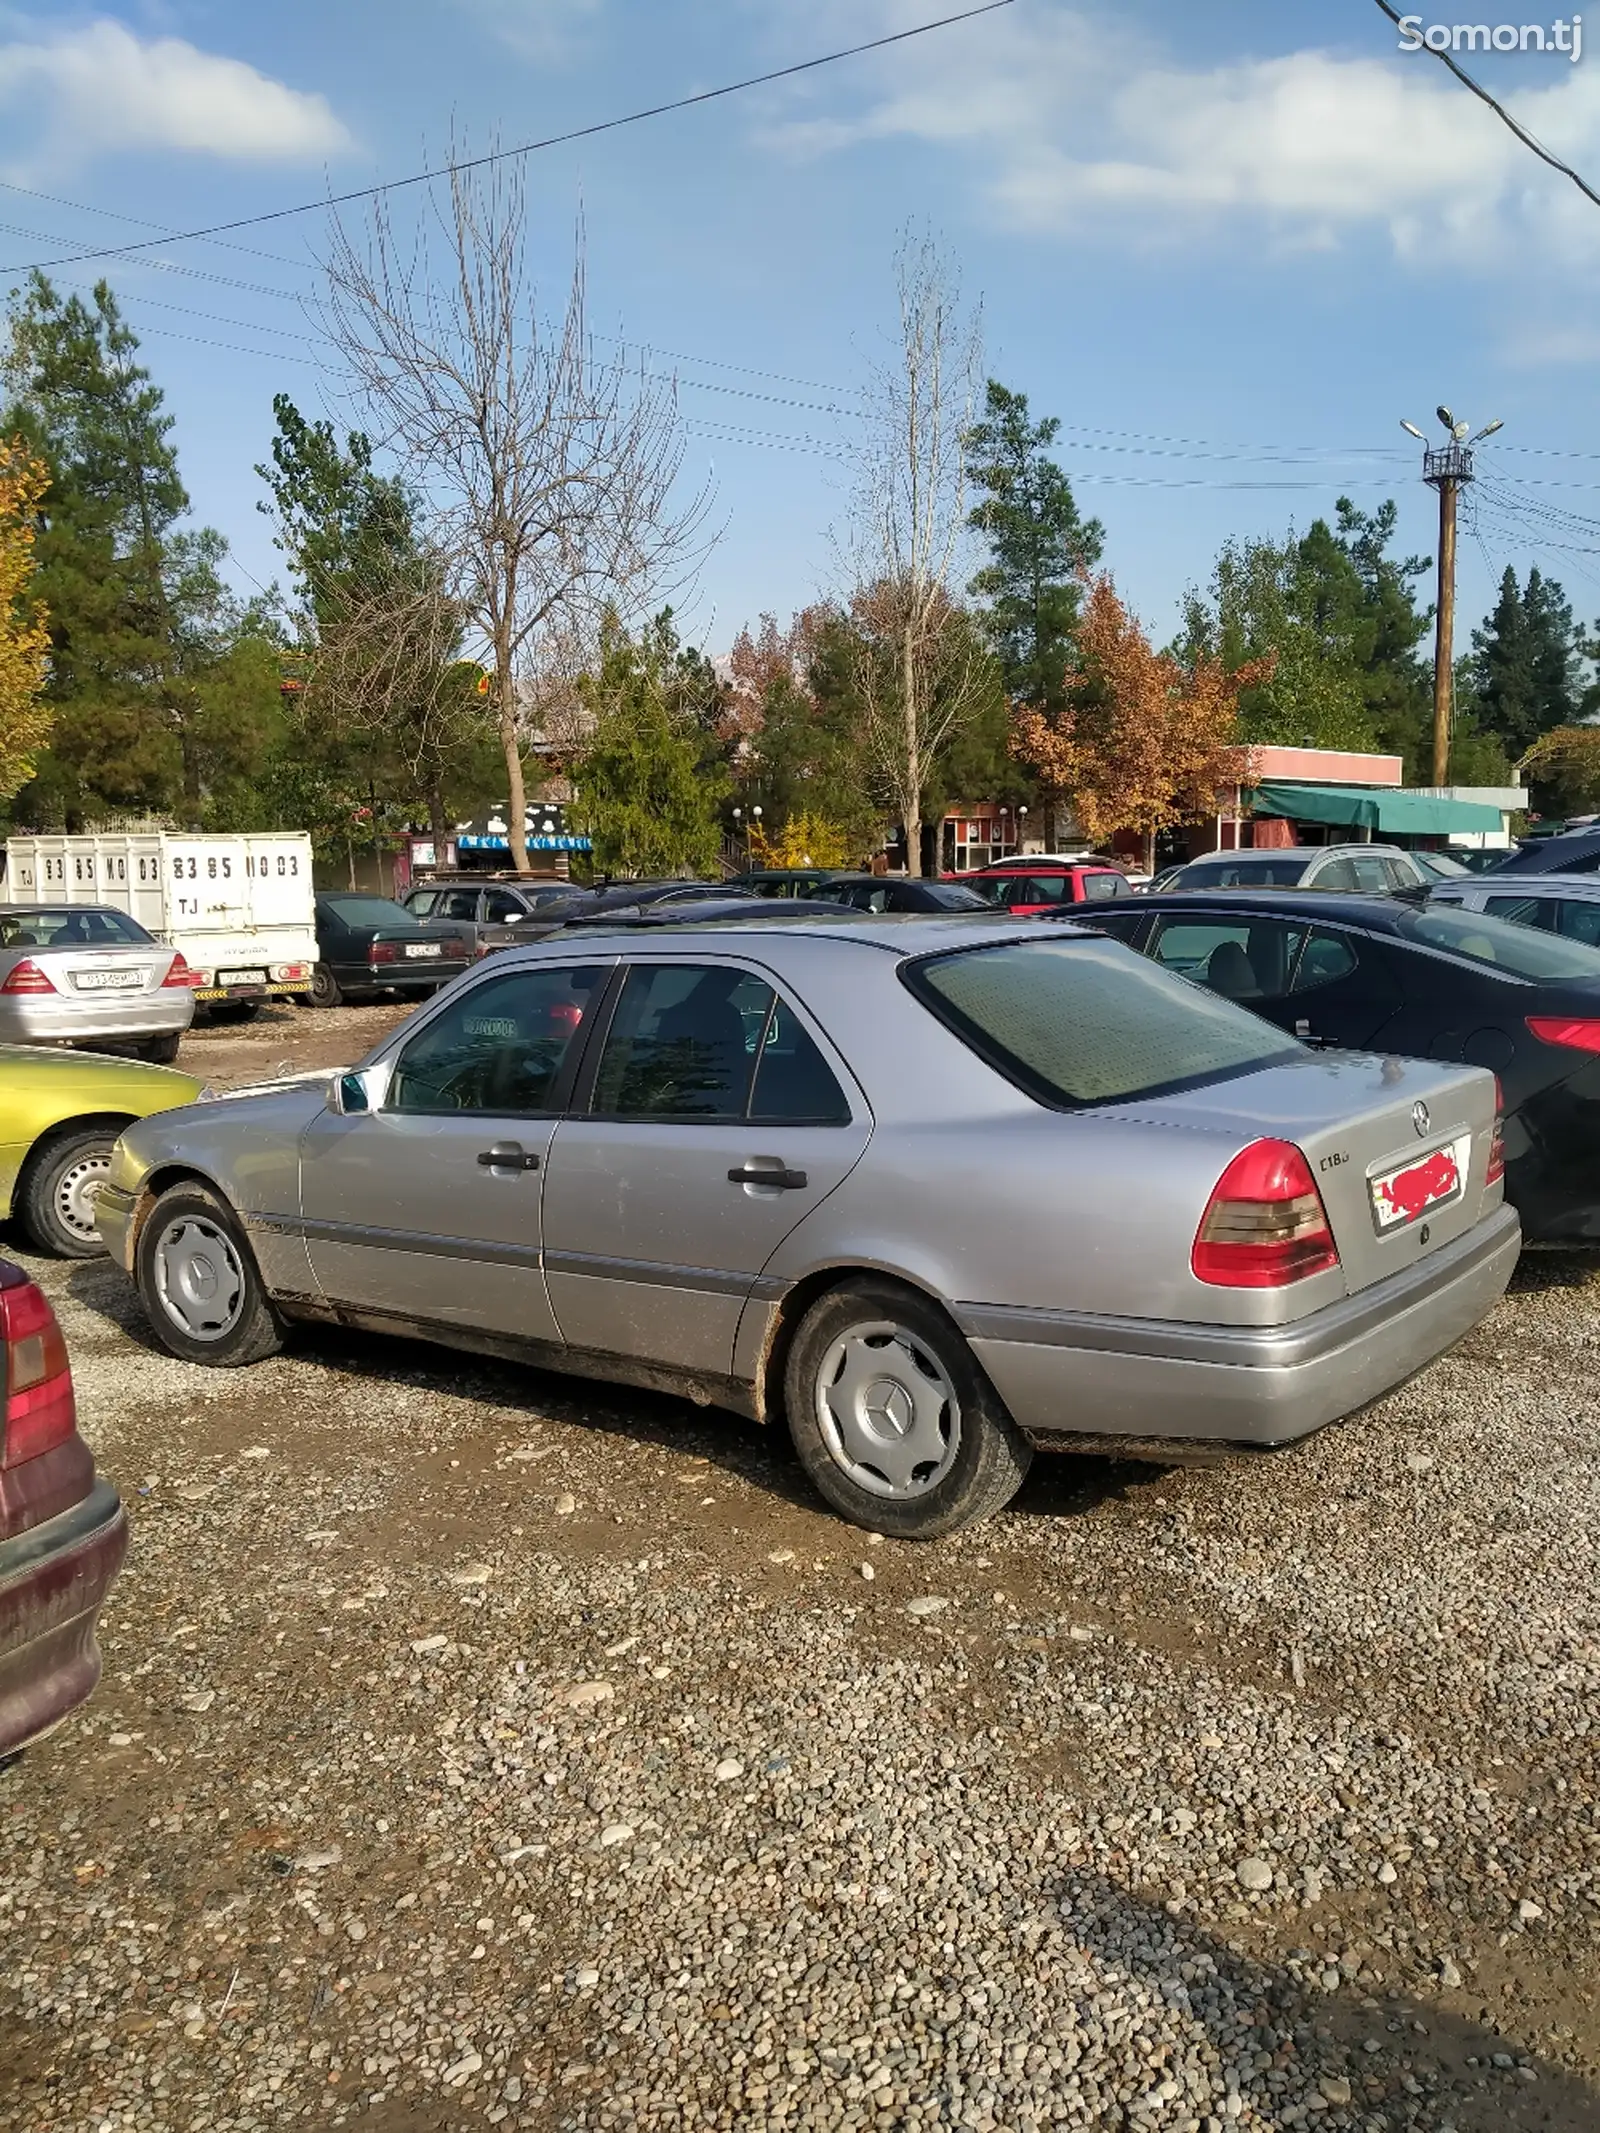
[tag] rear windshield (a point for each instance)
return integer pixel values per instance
(96, 926)
(954, 896)
(1520, 951)
(1240, 873)
(368, 911)
(1089, 1022)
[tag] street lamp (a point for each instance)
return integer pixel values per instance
(1448, 469)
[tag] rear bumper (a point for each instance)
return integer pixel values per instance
(402, 977)
(1065, 1375)
(275, 988)
(53, 1580)
(28, 1019)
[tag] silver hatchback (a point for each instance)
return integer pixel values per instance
(88, 974)
(930, 1191)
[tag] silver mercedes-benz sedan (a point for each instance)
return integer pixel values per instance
(931, 1192)
(88, 974)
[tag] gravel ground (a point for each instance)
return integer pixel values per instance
(482, 1748)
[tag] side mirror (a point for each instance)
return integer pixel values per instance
(353, 1094)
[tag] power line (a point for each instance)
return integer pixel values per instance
(528, 148)
(1500, 112)
(143, 222)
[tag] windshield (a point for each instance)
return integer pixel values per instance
(1244, 872)
(1519, 951)
(952, 896)
(95, 927)
(1089, 1022)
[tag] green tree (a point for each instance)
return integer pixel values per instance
(140, 620)
(647, 789)
(798, 749)
(1039, 547)
(1524, 666)
(387, 707)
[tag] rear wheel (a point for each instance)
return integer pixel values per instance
(892, 1418)
(198, 1282)
(57, 1198)
(161, 1051)
(325, 990)
(234, 1010)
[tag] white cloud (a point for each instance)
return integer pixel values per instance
(1083, 128)
(549, 32)
(100, 89)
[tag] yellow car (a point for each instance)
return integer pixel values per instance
(60, 1114)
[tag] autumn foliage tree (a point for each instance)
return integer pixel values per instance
(1143, 742)
(25, 718)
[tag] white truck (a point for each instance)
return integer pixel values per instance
(238, 909)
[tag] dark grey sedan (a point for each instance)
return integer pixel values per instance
(927, 1191)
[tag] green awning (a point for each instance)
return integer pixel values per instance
(1394, 814)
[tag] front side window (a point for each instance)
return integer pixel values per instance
(501, 908)
(1578, 918)
(1242, 873)
(1085, 1022)
(499, 1048)
(1243, 958)
(1036, 889)
(1522, 911)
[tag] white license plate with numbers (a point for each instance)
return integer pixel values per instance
(423, 948)
(107, 980)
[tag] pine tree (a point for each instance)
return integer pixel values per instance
(1039, 547)
(645, 786)
(139, 616)
(1524, 664)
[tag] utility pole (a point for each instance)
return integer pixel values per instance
(1448, 469)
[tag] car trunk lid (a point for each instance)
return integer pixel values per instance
(1398, 1148)
(103, 970)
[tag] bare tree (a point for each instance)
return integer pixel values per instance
(551, 470)
(918, 677)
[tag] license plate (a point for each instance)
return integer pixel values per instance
(241, 977)
(107, 980)
(1420, 1184)
(423, 948)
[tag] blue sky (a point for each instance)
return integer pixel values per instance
(1229, 245)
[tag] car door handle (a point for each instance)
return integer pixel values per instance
(507, 1155)
(768, 1170)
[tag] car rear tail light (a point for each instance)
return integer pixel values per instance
(383, 952)
(183, 977)
(1266, 1225)
(26, 976)
(290, 973)
(1580, 1033)
(40, 1411)
(1497, 1139)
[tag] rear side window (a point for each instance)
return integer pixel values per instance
(1522, 911)
(421, 901)
(794, 1082)
(1578, 919)
(1098, 888)
(1035, 889)
(1085, 1022)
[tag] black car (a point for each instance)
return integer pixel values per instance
(786, 881)
(898, 892)
(370, 944)
(1427, 981)
(1573, 851)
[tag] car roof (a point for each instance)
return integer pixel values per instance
(1528, 883)
(1379, 914)
(900, 932)
(1048, 866)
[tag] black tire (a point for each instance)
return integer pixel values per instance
(325, 988)
(199, 1283)
(978, 1456)
(234, 1010)
(53, 1198)
(162, 1051)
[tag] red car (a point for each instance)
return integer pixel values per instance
(63, 1533)
(1032, 888)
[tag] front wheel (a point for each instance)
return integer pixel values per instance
(57, 1198)
(892, 1418)
(198, 1282)
(325, 990)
